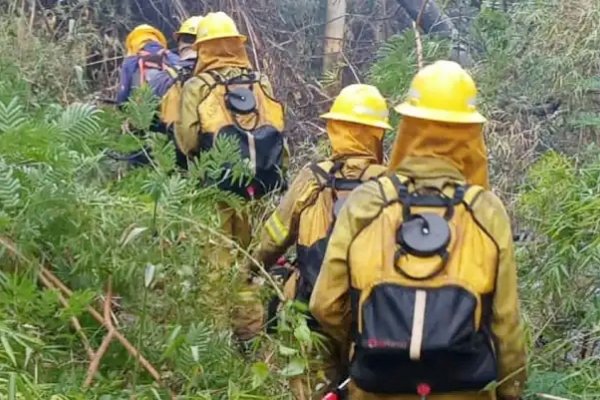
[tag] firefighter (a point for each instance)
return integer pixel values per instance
(419, 278)
(356, 124)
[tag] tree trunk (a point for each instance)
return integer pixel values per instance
(334, 34)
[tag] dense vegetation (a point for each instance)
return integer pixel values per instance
(147, 233)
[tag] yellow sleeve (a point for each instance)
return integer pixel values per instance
(188, 127)
(281, 229)
(330, 300)
(506, 319)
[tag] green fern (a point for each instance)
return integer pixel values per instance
(10, 188)
(141, 109)
(175, 190)
(204, 353)
(11, 115)
(225, 156)
(79, 119)
(397, 62)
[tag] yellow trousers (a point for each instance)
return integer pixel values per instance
(248, 312)
(235, 224)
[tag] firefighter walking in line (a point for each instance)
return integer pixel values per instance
(419, 278)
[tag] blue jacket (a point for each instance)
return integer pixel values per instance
(159, 82)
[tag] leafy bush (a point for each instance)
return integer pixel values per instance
(67, 207)
(559, 273)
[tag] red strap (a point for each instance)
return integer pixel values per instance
(281, 261)
(142, 68)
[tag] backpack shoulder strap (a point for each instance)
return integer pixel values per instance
(211, 78)
(472, 193)
(321, 175)
(400, 184)
(325, 173)
(390, 185)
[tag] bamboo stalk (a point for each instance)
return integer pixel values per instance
(419, 45)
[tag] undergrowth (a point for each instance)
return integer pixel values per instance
(67, 207)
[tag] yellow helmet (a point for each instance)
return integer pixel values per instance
(361, 104)
(189, 27)
(442, 91)
(142, 34)
(217, 25)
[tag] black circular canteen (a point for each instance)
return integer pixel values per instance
(241, 100)
(425, 234)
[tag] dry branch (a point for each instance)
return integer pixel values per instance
(74, 320)
(95, 363)
(419, 43)
(107, 323)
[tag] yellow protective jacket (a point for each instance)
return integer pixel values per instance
(360, 149)
(228, 58)
(289, 221)
(421, 154)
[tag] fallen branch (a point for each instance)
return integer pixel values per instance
(74, 320)
(95, 363)
(47, 277)
(107, 323)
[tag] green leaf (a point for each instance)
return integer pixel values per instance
(132, 235)
(12, 115)
(78, 303)
(141, 107)
(12, 386)
(149, 274)
(260, 373)
(173, 341)
(8, 349)
(295, 367)
(302, 333)
(287, 351)
(195, 350)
